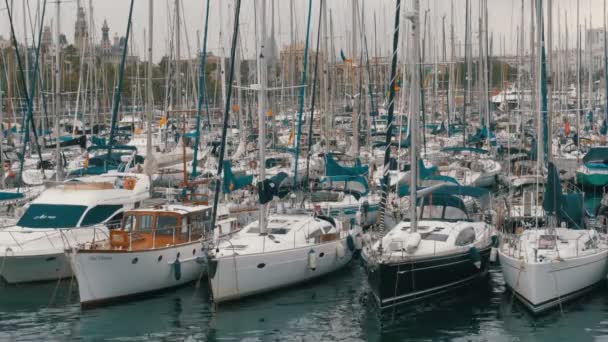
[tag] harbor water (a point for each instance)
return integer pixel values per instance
(335, 309)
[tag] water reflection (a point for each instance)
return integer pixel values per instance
(334, 308)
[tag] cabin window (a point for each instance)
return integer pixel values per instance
(465, 237)
(165, 225)
(129, 223)
(51, 216)
(453, 213)
(144, 223)
(432, 212)
(99, 214)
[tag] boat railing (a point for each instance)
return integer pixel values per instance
(513, 245)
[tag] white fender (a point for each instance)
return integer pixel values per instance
(340, 251)
(312, 259)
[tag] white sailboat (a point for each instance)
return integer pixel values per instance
(277, 250)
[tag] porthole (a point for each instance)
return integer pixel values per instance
(160, 257)
(321, 255)
(261, 265)
(51, 259)
(193, 251)
(178, 254)
(134, 261)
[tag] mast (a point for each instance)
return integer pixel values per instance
(149, 161)
(391, 109)
(220, 163)
(549, 83)
(605, 71)
(178, 78)
(56, 94)
(414, 112)
(263, 80)
(468, 84)
(202, 94)
(355, 115)
(578, 74)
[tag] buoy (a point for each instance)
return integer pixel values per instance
(312, 259)
(358, 242)
(350, 242)
(412, 242)
(340, 250)
(493, 254)
(475, 257)
(177, 269)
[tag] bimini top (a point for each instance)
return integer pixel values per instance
(596, 154)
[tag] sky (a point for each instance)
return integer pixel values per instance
(504, 19)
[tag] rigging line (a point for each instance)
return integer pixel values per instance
(117, 95)
(202, 95)
(218, 182)
(314, 93)
(27, 97)
(302, 94)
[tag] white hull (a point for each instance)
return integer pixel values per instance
(33, 268)
(541, 286)
(106, 276)
(243, 275)
(38, 254)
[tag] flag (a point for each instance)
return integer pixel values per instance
(343, 56)
(567, 128)
(163, 121)
(291, 136)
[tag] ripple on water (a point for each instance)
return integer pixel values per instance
(333, 308)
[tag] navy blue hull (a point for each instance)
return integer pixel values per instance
(398, 283)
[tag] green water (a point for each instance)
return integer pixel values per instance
(334, 308)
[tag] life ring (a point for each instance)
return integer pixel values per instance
(130, 183)
(253, 164)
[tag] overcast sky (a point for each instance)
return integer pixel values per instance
(504, 18)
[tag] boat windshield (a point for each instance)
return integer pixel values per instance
(440, 212)
(51, 216)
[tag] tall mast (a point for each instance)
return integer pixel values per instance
(391, 109)
(149, 100)
(178, 79)
(605, 70)
(414, 113)
(355, 115)
(56, 105)
(468, 75)
(549, 50)
(27, 51)
(578, 73)
(262, 74)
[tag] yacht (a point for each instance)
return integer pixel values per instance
(293, 248)
(72, 213)
(449, 248)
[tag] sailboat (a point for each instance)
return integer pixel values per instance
(440, 245)
(277, 250)
(545, 267)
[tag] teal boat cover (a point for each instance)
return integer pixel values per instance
(332, 168)
(233, 182)
(567, 208)
(596, 154)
